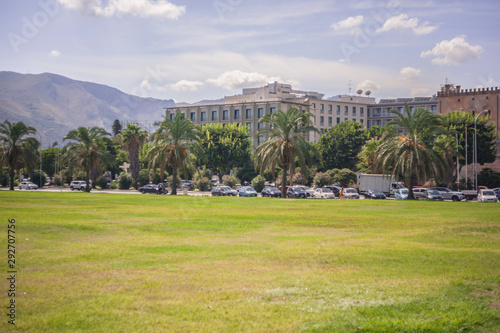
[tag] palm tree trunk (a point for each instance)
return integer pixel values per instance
(283, 182)
(12, 174)
(174, 181)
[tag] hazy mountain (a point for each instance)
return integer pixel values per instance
(49, 101)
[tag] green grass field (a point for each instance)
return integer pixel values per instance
(144, 263)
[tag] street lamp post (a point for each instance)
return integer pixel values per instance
(41, 172)
(475, 147)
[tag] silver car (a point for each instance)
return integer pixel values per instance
(27, 186)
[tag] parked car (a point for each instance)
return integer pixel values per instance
(295, 192)
(79, 185)
(247, 191)
(271, 192)
(223, 191)
(419, 192)
(27, 186)
(187, 184)
(309, 191)
(374, 194)
(324, 193)
(486, 195)
(149, 188)
(401, 194)
(350, 193)
(449, 194)
(431, 194)
(335, 189)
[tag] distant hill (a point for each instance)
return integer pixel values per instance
(49, 101)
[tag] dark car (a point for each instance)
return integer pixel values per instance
(295, 192)
(335, 189)
(430, 194)
(271, 192)
(149, 188)
(374, 194)
(223, 191)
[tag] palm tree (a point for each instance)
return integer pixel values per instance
(170, 145)
(88, 150)
(408, 154)
(133, 140)
(286, 143)
(15, 148)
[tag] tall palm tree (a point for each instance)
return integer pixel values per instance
(170, 145)
(15, 148)
(88, 150)
(133, 139)
(286, 143)
(408, 154)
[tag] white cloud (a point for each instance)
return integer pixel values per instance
(237, 79)
(145, 84)
(410, 74)
(185, 85)
(419, 92)
(54, 53)
(350, 24)
(453, 52)
(402, 22)
(368, 85)
(141, 8)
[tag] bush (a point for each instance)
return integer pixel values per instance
(143, 178)
(298, 178)
(321, 179)
(246, 173)
(345, 177)
(4, 177)
(201, 183)
(35, 178)
(489, 178)
(179, 183)
(114, 185)
(125, 181)
(258, 183)
(102, 182)
(58, 180)
(230, 180)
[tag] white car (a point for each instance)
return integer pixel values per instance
(401, 193)
(309, 191)
(486, 195)
(350, 193)
(324, 193)
(79, 185)
(27, 186)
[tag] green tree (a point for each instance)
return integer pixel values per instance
(133, 140)
(341, 145)
(286, 144)
(407, 154)
(225, 148)
(50, 158)
(88, 150)
(170, 145)
(17, 148)
(116, 128)
(367, 161)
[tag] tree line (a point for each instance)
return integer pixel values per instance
(417, 146)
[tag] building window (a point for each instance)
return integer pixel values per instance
(434, 109)
(260, 139)
(248, 113)
(236, 114)
(273, 110)
(362, 121)
(225, 115)
(353, 110)
(338, 110)
(172, 116)
(338, 120)
(260, 112)
(354, 119)
(321, 120)
(249, 125)
(193, 116)
(346, 110)
(314, 105)
(330, 121)
(459, 99)
(322, 108)
(214, 115)
(203, 116)
(362, 111)
(345, 119)
(330, 109)
(260, 126)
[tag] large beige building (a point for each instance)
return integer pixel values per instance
(249, 107)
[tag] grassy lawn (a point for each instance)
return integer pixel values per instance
(135, 263)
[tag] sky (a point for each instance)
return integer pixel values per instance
(194, 50)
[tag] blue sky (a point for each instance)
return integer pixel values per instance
(192, 50)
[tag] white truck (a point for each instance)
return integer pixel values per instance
(384, 183)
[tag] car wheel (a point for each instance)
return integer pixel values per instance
(454, 198)
(72, 188)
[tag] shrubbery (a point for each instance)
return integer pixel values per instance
(102, 182)
(230, 180)
(35, 178)
(321, 179)
(125, 181)
(258, 183)
(58, 180)
(201, 183)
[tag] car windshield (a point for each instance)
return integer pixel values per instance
(327, 190)
(488, 193)
(297, 189)
(225, 188)
(403, 191)
(433, 192)
(377, 192)
(350, 190)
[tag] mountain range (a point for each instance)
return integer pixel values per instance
(55, 105)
